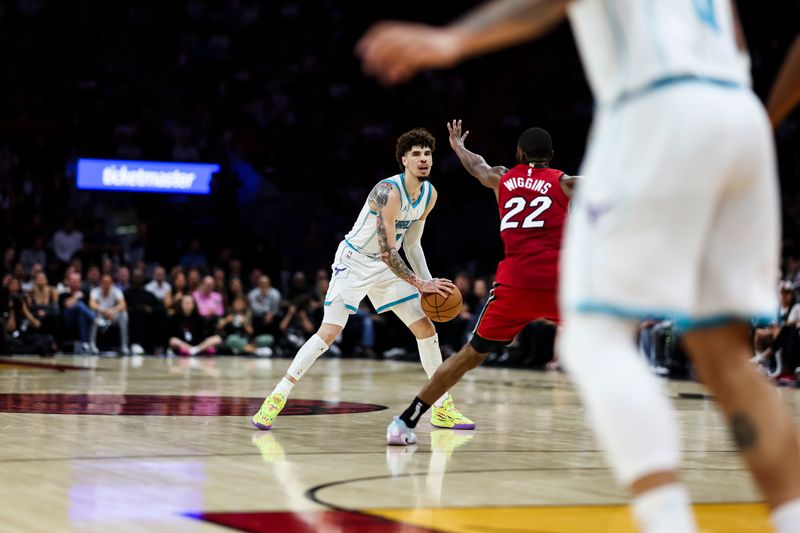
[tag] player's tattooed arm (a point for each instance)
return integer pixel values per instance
(475, 164)
(385, 200)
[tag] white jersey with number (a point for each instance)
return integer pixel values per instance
(358, 270)
(363, 238)
(628, 46)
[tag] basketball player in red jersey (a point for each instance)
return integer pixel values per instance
(534, 203)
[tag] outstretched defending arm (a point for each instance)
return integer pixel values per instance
(785, 94)
(396, 51)
(475, 164)
(385, 200)
(568, 184)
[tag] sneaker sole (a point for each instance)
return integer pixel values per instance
(398, 440)
(260, 426)
(456, 426)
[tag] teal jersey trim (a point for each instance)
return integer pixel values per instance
(430, 193)
(672, 80)
(383, 308)
(682, 321)
(408, 196)
(387, 180)
(349, 307)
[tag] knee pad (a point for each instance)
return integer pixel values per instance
(626, 405)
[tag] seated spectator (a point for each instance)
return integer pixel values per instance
(63, 285)
(209, 302)
(108, 303)
(9, 260)
(35, 254)
(179, 290)
(92, 279)
(67, 241)
(44, 304)
(75, 311)
(187, 333)
(237, 331)
(124, 278)
(193, 279)
(235, 268)
(235, 289)
(107, 266)
(298, 287)
(194, 258)
(146, 315)
(780, 342)
(160, 287)
(22, 332)
(24, 276)
(265, 302)
(296, 327)
(220, 285)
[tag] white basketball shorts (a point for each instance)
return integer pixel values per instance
(678, 216)
(355, 275)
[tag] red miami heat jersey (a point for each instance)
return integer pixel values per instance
(533, 212)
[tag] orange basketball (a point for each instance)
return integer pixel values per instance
(440, 308)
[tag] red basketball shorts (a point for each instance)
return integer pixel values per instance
(510, 309)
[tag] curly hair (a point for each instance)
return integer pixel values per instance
(416, 137)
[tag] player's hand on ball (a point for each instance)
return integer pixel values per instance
(395, 51)
(456, 137)
(440, 286)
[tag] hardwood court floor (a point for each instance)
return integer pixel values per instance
(146, 444)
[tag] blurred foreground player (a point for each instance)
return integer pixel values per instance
(534, 203)
(679, 217)
(368, 263)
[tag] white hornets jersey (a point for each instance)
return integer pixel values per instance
(364, 236)
(631, 46)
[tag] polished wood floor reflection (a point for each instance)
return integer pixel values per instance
(147, 444)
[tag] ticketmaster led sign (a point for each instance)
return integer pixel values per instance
(145, 176)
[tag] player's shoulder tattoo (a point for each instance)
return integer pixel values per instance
(379, 196)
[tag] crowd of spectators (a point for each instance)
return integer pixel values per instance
(197, 306)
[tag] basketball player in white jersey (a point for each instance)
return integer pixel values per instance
(368, 263)
(678, 217)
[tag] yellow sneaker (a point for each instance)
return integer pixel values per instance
(265, 416)
(447, 416)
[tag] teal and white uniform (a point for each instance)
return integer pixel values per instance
(358, 270)
(679, 214)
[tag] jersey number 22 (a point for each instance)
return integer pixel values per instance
(517, 204)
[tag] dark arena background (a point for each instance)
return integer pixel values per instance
(111, 426)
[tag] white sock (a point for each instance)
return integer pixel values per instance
(306, 355)
(664, 509)
(431, 358)
(786, 517)
(284, 387)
